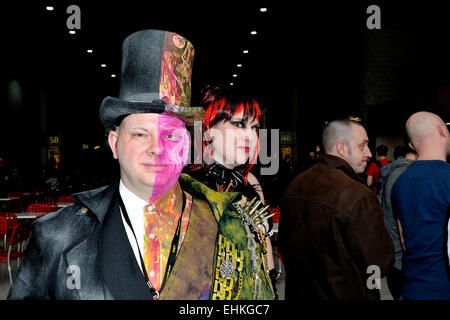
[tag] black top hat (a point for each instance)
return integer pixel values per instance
(155, 78)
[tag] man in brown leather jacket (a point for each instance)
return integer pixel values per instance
(331, 234)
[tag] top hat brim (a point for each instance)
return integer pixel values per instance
(112, 109)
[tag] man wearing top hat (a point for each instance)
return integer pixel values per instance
(155, 234)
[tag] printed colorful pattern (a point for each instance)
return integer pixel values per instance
(188, 114)
(161, 218)
(176, 70)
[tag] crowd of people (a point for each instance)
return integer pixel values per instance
(204, 231)
(336, 235)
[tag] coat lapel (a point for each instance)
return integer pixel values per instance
(106, 262)
(85, 258)
(122, 274)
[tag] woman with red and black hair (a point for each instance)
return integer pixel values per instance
(230, 143)
(230, 148)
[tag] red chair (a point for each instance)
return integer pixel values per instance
(14, 194)
(11, 223)
(17, 245)
(12, 220)
(65, 199)
(42, 207)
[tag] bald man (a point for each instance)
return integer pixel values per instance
(332, 235)
(421, 201)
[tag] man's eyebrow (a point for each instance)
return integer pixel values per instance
(137, 128)
(147, 130)
(171, 127)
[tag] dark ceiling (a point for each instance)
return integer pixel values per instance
(305, 47)
(305, 64)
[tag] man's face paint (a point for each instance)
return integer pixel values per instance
(152, 150)
(173, 141)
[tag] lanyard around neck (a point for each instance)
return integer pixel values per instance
(173, 248)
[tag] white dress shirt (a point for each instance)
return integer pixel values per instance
(135, 209)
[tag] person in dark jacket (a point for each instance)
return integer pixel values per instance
(331, 234)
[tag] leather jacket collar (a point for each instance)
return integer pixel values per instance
(98, 200)
(340, 164)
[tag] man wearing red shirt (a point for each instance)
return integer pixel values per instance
(373, 171)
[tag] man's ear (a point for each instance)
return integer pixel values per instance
(112, 141)
(341, 148)
(443, 131)
(411, 146)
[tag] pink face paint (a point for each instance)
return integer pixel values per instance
(173, 141)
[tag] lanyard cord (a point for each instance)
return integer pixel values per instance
(173, 248)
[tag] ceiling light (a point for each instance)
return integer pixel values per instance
(113, 76)
(72, 32)
(231, 83)
(447, 123)
(253, 32)
(89, 51)
(263, 9)
(245, 51)
(49, 8)
(239, 65)
(234, 75)
(103, 65)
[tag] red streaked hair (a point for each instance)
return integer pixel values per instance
(220, 105)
